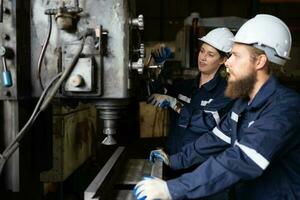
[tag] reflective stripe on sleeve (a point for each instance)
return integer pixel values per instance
(215, 115)
(234, 117)
(205, 103)
(221, 135)
(250, 123)
(256, 157)
(184, 98)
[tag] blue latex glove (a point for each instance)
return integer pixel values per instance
(159, 155)
(151, 188)
(161, 55)
(162, 101)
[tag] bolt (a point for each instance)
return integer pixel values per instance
(5, 36)
(6, 11)
(7, 93)
(77, 80)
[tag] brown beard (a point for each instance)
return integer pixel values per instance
(241, 88)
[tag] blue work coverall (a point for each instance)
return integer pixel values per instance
(255, 148)
(201, 112)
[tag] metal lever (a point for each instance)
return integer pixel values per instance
(6, 75)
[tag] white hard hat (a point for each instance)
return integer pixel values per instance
(219, 38)
(269, 34)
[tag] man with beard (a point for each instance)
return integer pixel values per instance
(256, 147)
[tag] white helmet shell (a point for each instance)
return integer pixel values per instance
(219, 38)
(269, 34)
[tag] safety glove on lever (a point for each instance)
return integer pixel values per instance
(162, 101)
(159, 155)
(161, 55)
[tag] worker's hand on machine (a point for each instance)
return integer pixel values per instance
(152, 188)
(161, 55)
(159, 155)
(162, 101)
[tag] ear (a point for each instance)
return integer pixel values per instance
(261, 61)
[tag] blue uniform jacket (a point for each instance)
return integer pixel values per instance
(182, 90)
(201, 112)
(255, 147)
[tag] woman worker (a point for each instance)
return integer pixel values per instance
(200, 102)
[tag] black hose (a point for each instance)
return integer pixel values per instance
(42, 104)
(10, 149)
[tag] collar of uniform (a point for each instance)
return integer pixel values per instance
(210, 85)
(240, 105)
(196, 81)
(264, 93)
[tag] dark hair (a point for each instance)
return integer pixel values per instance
(223, 54)
(222, 68)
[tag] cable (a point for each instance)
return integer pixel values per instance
(41, 106)
(10, 149)
(42, 54)
(76, 3)
(64, 75)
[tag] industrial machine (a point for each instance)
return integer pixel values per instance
(67, 69)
